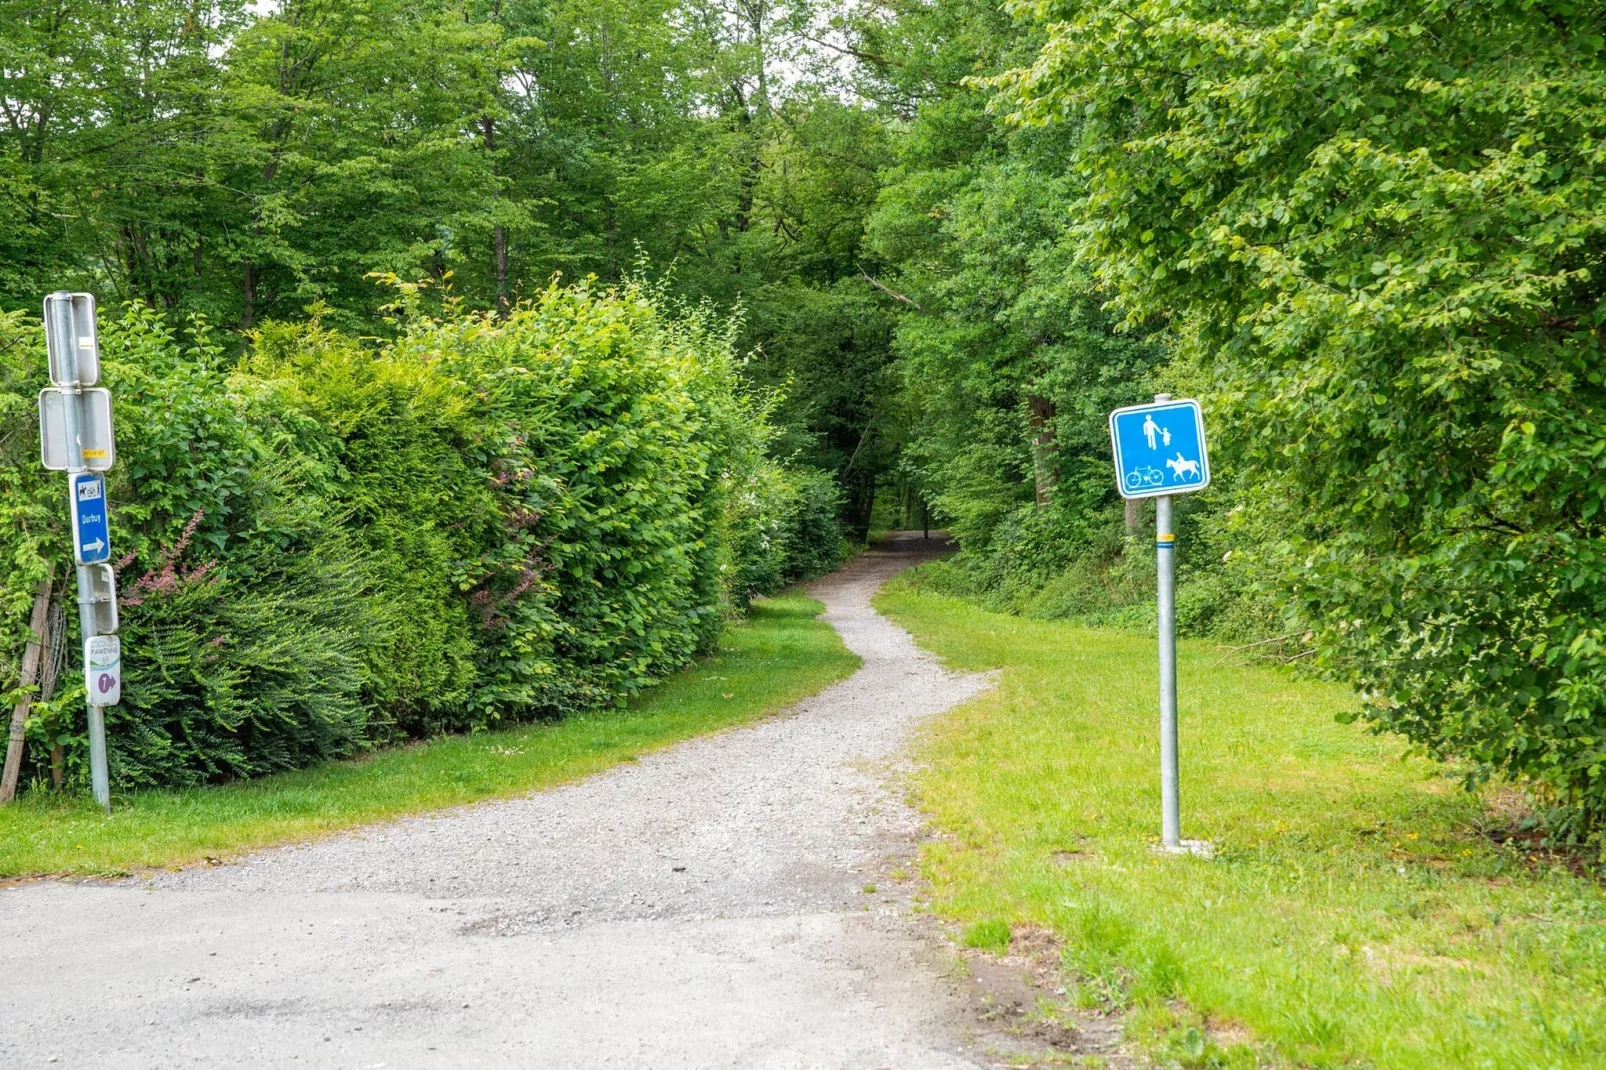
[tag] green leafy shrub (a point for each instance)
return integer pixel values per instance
(328, 545)
(784, 528)
(812, 539)
(382, 444)
(231, 677)
(611, 435)
(240, 610)
(33, 520)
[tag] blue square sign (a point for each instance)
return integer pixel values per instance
(1159, 449)
(92, 536)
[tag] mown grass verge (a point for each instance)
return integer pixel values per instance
(779, 655)
(1357, 914)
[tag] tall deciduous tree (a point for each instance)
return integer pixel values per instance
(356, 147)
(250, 162)
(110, 118)
(1380, 228)
(1008, 360)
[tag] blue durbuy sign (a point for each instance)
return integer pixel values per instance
(91, 527)
(1159, 449)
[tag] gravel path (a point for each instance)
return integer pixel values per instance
(703, 907)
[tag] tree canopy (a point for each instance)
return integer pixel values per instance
(1378, 231)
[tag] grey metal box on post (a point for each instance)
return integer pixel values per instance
(74, 354)
(97, 446)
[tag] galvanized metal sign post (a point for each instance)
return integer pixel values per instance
(75, 436)
(1160, 452)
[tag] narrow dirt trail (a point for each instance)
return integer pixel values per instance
(703, 907)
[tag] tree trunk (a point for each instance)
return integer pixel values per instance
(860, 504)
(248, 314)
(755, 112)
(32, 656)
(501, 269)
(498, 236)
(1045, 468)
(1134, 517)
(610, 231)
(51, 662)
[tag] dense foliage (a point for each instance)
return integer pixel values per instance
(1009, 362)
(486, 520)
(243, 160)
(1378, 228)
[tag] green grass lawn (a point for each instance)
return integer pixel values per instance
(780, 655)
(1355, 915)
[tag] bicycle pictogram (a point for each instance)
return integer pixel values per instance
(1144, 477)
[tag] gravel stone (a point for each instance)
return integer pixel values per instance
(704, 906)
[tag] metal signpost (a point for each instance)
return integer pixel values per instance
(1160, 452)
(75, 436)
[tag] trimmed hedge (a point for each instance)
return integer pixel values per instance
(331, 544)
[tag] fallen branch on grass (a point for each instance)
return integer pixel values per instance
(1266, 642)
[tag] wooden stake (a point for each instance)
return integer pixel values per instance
(31, 659)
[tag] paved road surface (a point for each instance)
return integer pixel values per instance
(703, 907)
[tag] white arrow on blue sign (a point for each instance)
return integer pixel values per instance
(1159, 449)
(92, 537)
